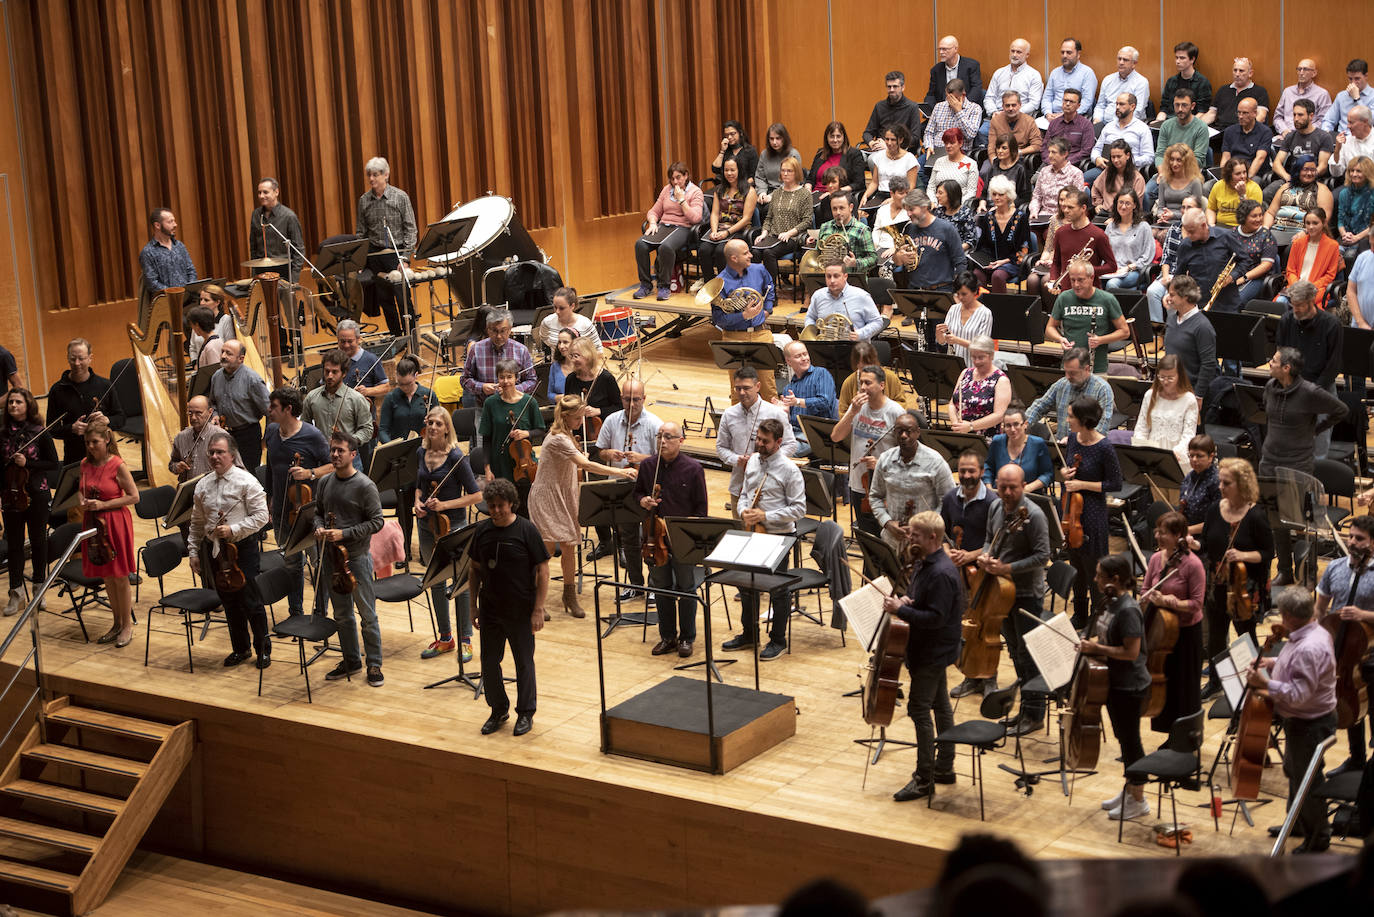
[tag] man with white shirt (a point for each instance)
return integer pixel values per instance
(739, 423)
(838, 297)
(1071, 74)
(1126, 127)
(1018, 76)
(1305, 88)
(1223, 112)
(1356, 142)
(230, 508)
(1357, 92)
(1125, 79)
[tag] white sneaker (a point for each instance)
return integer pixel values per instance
(1129, 810)
(1113, 803)
(15, 603)
(697, 286)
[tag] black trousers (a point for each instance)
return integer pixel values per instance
(630, 558)
(1014, 628)
(1182, 669)
(864, 522)
(668, 251)
(35, 521)
(513, 627)
(243, 609)
(249, 440)
(1085, 592)
(405, 514)
(1124, 709)
(749, 614)
(1303, 738)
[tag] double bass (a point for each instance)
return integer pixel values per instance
(1252, 733)
(1161, 635)
(993, 599)
(1350, 641)
(1080, 731)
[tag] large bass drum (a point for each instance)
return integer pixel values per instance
(497, 237)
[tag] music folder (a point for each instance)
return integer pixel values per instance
(660, 234)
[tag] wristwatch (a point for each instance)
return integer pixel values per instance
(312, 474)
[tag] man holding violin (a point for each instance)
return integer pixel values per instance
(932, 606)
(189, 456)
(672, 484)
(293, 482)
(230, 509)
(1350, 600)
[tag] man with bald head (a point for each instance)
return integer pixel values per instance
(1249, 138)
(810, 391)
(952, 66)
(1225, 104)
(1019, 77)
(1022, 555)
(189, 458)
(239, 395)
(751, 324)
(1305, 88)
(627, 438)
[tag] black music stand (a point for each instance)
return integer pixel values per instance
(446, 237)
(1357, 351)
(608, 502)
(949, 444)
(66, 494)
(183, 501)
(757, 578)
(1127, 397)
(343, 257)
(825, 450)
(395, 464)
(1030, 382)
(1143, 466)
(451, 560)
(691, 539)
(763, 356)
(1016, 317)
(301, 538)
(918, 305)
(878, 555)
(1240, 337)
(937, 371)
(832, 356)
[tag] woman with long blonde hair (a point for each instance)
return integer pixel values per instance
(554, 497)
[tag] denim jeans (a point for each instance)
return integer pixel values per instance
(677, 617)
(438, 596)
(930, 693)
(1130, 282)
(365, 601)
(1155, 293)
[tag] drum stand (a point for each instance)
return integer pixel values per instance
(639, 367)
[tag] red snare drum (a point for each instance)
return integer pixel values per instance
(616, 327)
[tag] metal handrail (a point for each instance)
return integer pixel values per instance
(1295, 804)
(29, 616)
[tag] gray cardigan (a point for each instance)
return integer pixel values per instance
(357, 509)
(1297, 414)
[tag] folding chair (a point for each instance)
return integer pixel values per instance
(196, 606)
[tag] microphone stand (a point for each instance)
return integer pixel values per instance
(297, 339)
(409, 296)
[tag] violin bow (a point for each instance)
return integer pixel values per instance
(40, 433)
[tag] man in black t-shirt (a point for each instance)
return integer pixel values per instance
(9, 370)
(508, 581)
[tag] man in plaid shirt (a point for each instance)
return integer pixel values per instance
(1168, 262)
(479, 368)
(862, 255)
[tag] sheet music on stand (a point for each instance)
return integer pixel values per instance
(750, 549)
(863, 609)
(1054, 647)
(1233, 666)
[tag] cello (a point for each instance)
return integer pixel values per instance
(993, 599)
(885, 670)
(1350, 641)
(1252, 732)
(1080, 731)
(1161, 635)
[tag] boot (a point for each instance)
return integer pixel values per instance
(15, 603)
(570, 604)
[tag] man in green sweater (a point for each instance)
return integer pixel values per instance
(1183, 127)
(1085, 316)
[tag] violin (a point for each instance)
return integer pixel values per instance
(228, 576)
(100, 550)
(1161, 635)
(1080, 731)
(439, 523)
(521, 452)
(654, 542)
(1350, 640)
(17, 483)
(885, 670)
(1073, 512)
(1252, 734)
(341, 579)
(993, 599)
(1241, 600)
(298, 493)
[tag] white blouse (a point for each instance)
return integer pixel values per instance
(1169, 426)
(886, 167)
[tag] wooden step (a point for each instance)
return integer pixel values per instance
(132, 727)
(37, 877)
(90, 760)
(53, 837)
(64, 795)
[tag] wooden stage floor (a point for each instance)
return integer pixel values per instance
(561, 825)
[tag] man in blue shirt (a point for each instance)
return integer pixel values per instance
(164, 260)
(1072, 74)
(751, 324)
(1357, 92)
(838, 297)
(811, 391)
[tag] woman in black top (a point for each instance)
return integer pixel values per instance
(835, 150)
(1006, 161)
(444, 485)
(1236, 530)
(734, 144)
(1098, 474)
(25, 448)
(1201, 488)
(950, 205)
(1119, 637)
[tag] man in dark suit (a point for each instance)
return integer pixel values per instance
(952, 66)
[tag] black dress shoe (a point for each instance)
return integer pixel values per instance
(523, 724)
(945, 777)
(494, 722)
(1025, 725)
(235, 658)
(1282, 579)
(1345, 766)
(737, 643)
(1314, 845)
(601, 550)
(664, 647)
(1296, 832)
(684, 648)
(914, 790)
(264, 661)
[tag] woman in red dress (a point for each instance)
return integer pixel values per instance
(107, 492)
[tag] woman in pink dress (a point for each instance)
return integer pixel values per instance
(554, 496)
(107, 492)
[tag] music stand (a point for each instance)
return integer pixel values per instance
(67, 492)
(825, 450)
(450, 560)
(752, 577)
(833, 357)
(937, 371)
(1016, 317)
(608, 503)
(1240, 337)
(395, 464)
(690, 539)
(1142, 466)
(1030, 382)
(302, 534)
(949, 444)
(1357, 351)
(922, 307)
(764, 356)
(445, 238)
(343, 257)
(183, 501)
(1127, 396)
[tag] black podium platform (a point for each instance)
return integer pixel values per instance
(668, 724)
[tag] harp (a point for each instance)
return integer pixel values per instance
(260, 328)
(159, 354)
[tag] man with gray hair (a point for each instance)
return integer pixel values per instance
(479, 368)
(1125, 79)
(1319, 337)
(1356, 142)
(387, 220)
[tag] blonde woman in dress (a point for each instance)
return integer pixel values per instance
(554, 495)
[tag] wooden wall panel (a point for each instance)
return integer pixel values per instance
(1332, 46)
(1135, 24)
(969, 23)
(801, 95)
(863, 54)
(1220, 42)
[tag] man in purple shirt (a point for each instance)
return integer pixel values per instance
(1301, 681)
(1076, 130)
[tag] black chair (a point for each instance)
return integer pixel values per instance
(196, 606)
(83, 590)
(1341, 792)
(130, 400)
(982, 736)
(1059, 578)
(1338, 479)
(303, 629)
(273, 585)
(1178, 759)
(154, 503)
(465, 424)
(402, 587)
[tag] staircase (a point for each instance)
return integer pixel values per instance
(76, 799)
